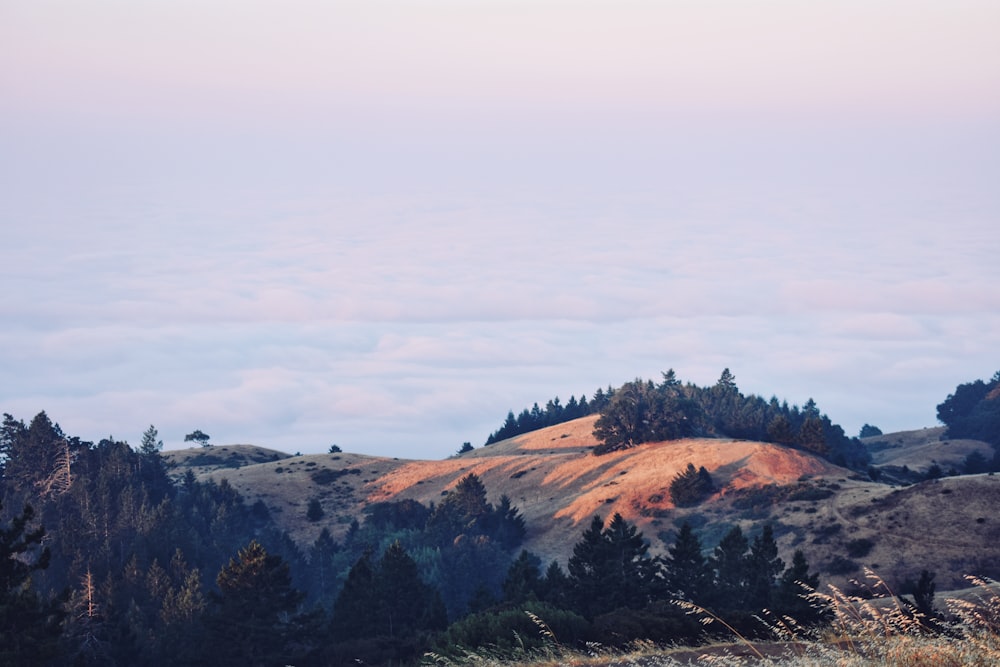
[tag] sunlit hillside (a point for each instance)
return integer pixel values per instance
(841, 520)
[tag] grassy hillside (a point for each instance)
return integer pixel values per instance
(838, 519)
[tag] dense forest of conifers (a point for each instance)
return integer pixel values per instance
(105, 561)
(643, 411)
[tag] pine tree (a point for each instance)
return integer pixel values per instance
(686, 570)
(729, 563)
(763, 569)
(254, 618)
(793, 597)
(29, 626)
(151, 444)
(524, 579)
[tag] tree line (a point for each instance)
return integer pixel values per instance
(105, 561)
(645, 411)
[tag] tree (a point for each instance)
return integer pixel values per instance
(686, 570)
(315, 511)
(466, 447)
(726, 382)
(151, 444)
(794, 595)
(689, 487)
(610, 569)
(729, 563)
(923, 594)
(524, 579)
(335, 449)
(199, 437)
(254, 618)
(763, 569)
(29, 626)
(869, 431)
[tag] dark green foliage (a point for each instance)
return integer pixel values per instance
(509, 629)
(466, 447)
(641, 411)
(730, 566)
(315, 511)
(973, 411)
(387, 601)
(975, 463)
(923, 593)
(524, 579)
(151, 444)
(686, 571)
(610, 569)
(199, 437)
(841, 565)
(553, 413)
(255, 619)
(335, 449)
(869, 431)
(794, 596)
(691, 486)
(860, 547)
(29, 624)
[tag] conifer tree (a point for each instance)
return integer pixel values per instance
(254, 618)
(29, 626)
(524, 579)
(729, 563)
(763, 569)
(686, 570)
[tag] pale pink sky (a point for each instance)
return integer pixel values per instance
(384, 224)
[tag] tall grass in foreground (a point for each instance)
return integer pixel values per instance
(876, 628)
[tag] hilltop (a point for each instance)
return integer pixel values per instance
(841, 520)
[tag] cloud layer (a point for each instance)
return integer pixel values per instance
(384, 229)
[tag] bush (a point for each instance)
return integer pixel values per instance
(691, 486)
(315, 511)
(860, 547)
(508, 629)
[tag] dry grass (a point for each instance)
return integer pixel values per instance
(947, 526)
(865, 632)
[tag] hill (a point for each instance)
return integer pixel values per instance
(840, 520)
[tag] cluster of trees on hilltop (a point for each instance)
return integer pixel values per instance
(644, 411)
(553, 413)
(973, 411)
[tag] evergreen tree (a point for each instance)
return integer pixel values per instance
(729, 563)
(686, 571)
(29, 625)
(354, 612)
(793, 595)
(254, 620)
(763, 569)
(610, 568)
(524, 579)
(151, 444)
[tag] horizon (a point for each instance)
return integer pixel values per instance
(384, 224)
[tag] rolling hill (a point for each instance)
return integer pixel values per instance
(842, 521)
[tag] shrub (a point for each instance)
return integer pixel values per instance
(860, 547)
(690, 486)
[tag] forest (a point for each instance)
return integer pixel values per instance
(105, 560)
(108, 562)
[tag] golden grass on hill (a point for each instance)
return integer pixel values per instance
(948, 526)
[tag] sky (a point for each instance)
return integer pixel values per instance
(382, 224)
